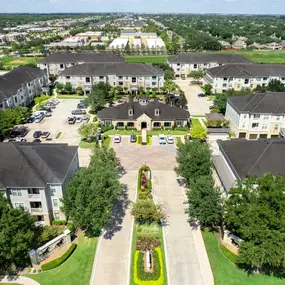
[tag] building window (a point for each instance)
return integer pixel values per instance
(243, 125)
(256, 116)
(108, 123)
(121, 83)
(195, 65)
(179, 123)
(264, 78)
(244, 116)
(52, 190)
(34, 191)
(224, 84)
(154, 77)
(130, 124)
(67, 77)
(16, 100)
(134, 80)
(246, 81)
(61, 66)
(87, 79)
(16, 192)
(55, 202)
(153, 83)
(120, 124)
(101, 77)
(156, 124)
(265, 117)
(19, 205)
(120, 77)
(276, 127)
(264, 126)
(56, 215)
(277, 118)
(167, 124)
(225, 78)
(255, 125)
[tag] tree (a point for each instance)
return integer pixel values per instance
(68, 87)
(204, 202)
(91, 194)
(145, 211)
(255, 212)
(194, 160)
(99, 96)
(170, 86)
(275, 85)
(17, 235)
(198, 132)
(59, 87)
(208, 89)
(87, 129)
(197, 74)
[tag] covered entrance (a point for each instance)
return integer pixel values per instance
(143, 125)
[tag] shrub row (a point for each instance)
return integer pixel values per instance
(55, 263)
(59, 222)
(145, 278)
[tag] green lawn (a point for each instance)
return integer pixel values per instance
(14, 61)
(146, 58)
(226, 273)
(195, 122)
(71, 97)
(76, 270)
(106, 142)
(84, 144)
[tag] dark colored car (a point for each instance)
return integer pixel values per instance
(80, 106)
(71, 120)
(202, 95)
(133, 138)
(37, 134)
(18, 132)
(30, 120)
(37, 141)
(48, 109)
(78, 112)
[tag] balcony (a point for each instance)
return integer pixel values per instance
(33, 196)
(36, 210)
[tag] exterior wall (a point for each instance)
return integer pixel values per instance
(254, 125)
(26, 94)
(132, 83)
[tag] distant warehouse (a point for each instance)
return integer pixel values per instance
(58, 62)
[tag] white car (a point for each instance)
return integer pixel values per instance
(39, 118)
(78, 119)
(162, 139)
(117, 139)
(170, 140)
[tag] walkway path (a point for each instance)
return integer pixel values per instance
(187, 259)
(113, 252)
(18, 279)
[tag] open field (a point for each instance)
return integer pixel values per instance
(227, 273)
(14, 61)
(146, 58)
(76, 270)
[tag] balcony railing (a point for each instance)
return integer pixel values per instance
(36, 210)
(34, 196)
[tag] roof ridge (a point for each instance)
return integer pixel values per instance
(254, 95)
(260, 157)
(259, 102)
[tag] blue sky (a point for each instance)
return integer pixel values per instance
(157, 6)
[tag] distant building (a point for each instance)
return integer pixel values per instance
(238, 76)
(34, 176)
(183, 64)
(260, 115)
(273, 46)
(239, 44)
(20, 86)
(225, 44)
(132, 76)
(58, 62)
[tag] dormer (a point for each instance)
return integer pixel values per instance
(156, 112)
(131, 111)
(156, 107)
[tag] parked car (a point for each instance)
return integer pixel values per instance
(78, 120)
(44, 108)
(133, 138)
(19, 132)
(117, 139)
(170, 140)
(50, 105)
(78, 112)
(80, 106)
(37, 134)
(202, 95)
(82, 101)
(162, 139)
(39, 118)
(45, 135)
(85, 119)
(71, 120)
(30, 120)
(37, 141)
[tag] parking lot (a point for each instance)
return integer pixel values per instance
(158, 157)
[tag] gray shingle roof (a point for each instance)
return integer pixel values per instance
(167, 112)
(101, 69)
(12, 81)
(34, 165)
(264, 103)
(215, 116)
(248, 70)
(207, 57)
(82, 57)
(255, 157)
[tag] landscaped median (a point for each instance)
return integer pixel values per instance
(147, 256)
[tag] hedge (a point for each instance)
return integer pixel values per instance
(55, 263)
(59, 222)
(141, 277)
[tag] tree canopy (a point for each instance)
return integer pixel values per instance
(255, 211)
(90, 195)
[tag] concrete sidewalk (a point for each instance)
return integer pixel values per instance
(187, 259)
(18, 279)
(111, 264)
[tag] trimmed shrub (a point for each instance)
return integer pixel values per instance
(55, 263)
(59, 222)
(146, 278)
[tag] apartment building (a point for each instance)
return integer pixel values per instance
(260, 115)
(130, 76)
(34, 176)
(238, 76)
(58, 62)
(183, 64)
(20, 86)
(239, 158)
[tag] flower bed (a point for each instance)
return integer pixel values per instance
(144, 183)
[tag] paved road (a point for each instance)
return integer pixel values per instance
(196, 106)
(18, 280)
(113, 252)
(186, 255)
